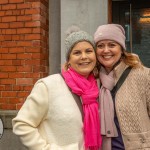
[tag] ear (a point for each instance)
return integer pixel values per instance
(67, 65)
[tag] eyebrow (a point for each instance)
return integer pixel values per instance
(90, 48)
(76, 50)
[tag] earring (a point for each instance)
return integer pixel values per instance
(67, 66)
(95, 71)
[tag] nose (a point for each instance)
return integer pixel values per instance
(106, 48)
(83, 55)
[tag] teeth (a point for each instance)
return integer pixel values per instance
(86, 63)
(107, 56)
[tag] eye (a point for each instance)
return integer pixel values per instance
(112, 45)
(100, 46)
(76, 53)
(89, 50)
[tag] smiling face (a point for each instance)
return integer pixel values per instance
(108, 53)
(83, 58)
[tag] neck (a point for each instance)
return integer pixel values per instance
(108, 70)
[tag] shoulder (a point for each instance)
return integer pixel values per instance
(141, 74)
(52, 81)
(142, 71)
(54, 77)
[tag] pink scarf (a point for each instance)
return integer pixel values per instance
(88, 90)
(108, 127)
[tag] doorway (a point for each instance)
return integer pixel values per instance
(134, 16)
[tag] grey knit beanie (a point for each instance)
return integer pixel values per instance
(75, 35)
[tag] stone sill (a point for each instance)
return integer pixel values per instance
(7, 116)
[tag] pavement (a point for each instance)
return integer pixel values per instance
(9, 141)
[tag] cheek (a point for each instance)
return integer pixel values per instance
(118, 56)
(100, 60)
(73, 60)
(98, 54)
(72, 64)
(94, 59)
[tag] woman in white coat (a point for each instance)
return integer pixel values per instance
(61, 113)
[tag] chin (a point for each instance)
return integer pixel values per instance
(85, 74)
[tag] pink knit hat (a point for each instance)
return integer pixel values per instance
(114, 32)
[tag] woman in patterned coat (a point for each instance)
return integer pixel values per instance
(125, 118)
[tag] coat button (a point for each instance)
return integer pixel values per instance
(108, 132)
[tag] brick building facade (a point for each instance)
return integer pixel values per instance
(23, 49)
(24, 55)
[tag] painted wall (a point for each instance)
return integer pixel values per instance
(54, 36)
(86, 14)
(23, 58)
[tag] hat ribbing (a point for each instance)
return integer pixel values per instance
(113, 32)
(74, 38)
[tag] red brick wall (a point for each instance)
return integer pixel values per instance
(23, 49)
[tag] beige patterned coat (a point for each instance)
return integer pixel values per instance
(133, 108)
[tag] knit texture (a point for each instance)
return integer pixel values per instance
(74, 37)
(113, 32)
(133, 107)
(108, 127)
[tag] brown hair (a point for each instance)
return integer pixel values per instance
(131, 59)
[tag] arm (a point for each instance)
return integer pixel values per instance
(33, 111)
(148, 93)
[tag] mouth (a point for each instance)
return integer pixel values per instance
(84, 63)
(107, 56)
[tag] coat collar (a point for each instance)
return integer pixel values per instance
(118, 70)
